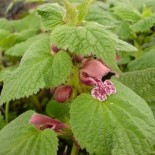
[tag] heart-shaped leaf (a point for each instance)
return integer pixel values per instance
(123, 124)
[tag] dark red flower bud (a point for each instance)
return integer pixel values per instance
(43, 122)
(54, 49)
(92, 69)
(63, 93)
(78, 58)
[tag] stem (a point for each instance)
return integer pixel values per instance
(7, 112)
(138, 44)
(65, 151)
(75, 150)
(76, 80)
(36, 102)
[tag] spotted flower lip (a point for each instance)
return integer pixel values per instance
(43, 122)
(92, 68)
(103, 89)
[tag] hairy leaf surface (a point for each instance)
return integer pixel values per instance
(71, 14)
(20, 48)
(37, 65)
(83, 10)
(143, 25)
(25, 24)
(86, 40)
(143, 83)
(124, 46)
(142, 62)
(123, 124)
(51, 15)
(127, 13)
(101, 16)
(20, 137)
(5, 24)
(60, 71)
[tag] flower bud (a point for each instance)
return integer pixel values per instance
(63, 93)
(77, 58)
(92, 69)
(43, 122)
(54, 49)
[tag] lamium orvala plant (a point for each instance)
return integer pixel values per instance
(77, 62)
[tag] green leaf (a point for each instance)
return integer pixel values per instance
(2, 122)
(21, 24)
(4, 34)
(83, 10)
(76, 1)
(29, 77)
(124, 58)
(60, 69)
(144, 25)
(58, 110)
(25, 24)
(150, 4)
(20, 137)
(71, 15)
(5, 25)
(127, 13)
(91, 38)
(101, 16)
(124, 46)
(38, 69)
(142, 62)
(75, 14)
(25, 34)
(18, 30)
(5, 71)
(20, 48)
(124, 31)
(123, 124)
(143, 83)
(51, 15)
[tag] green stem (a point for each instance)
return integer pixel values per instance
(7, 112)
(76, 80)
(75, 150)
(36, 102)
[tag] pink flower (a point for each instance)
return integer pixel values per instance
(103, 89)
(63, 93)
(92, 69)
(43, 122)
(54, 49)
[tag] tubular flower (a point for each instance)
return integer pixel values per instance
(103, 89)
(43, 122)
(63, 93)
(92, 69)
